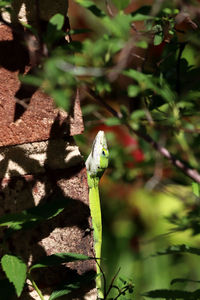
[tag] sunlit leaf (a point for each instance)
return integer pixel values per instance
(15, 270)
(196, 188)
(133, 90)
(158, 38)
(57, 21)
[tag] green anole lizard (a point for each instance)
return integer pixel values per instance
(96, 164)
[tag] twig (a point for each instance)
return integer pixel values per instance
(122, 60)
(23, 102)
(158, 173)
(121, 293)
(111, 284)
(137, 56)
(92, 95)
(109, 9)
(181, 165)
(134, 28)
(35, 286)
(147, 113)
(156, 7)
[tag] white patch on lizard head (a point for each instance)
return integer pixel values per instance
(93, 161)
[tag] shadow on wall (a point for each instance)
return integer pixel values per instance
(55, 188)
(41, 177)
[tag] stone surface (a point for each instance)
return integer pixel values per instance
(27, 10)
(67, 232)
(34, 158)
(41, 120)
(40, 163)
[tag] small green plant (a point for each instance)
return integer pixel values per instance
(17, 273)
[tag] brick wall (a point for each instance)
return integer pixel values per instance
(40, 163)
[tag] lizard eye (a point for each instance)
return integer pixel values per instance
(103, 153)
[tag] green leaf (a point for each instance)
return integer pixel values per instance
(172, 294)
(31, 79)
(179, 249)
(61, 98)
(52, 208)
(91, 7)
(102, 85)
(66, 289)
(196, 189)
(142, 44)
(124, 112)
(149, 82)
(17, 219)
(59, 258)
(183, 280)
(125, 284)
(119, 26)
(121, 4)
(133, 90)
(112, 121)
(146, 81)
(15, 270)
(138, 114)
(158, 38)
(5, 3)
(141, 17)
(135, 118)
(88, 109)
(54, 29)
(38, 213)
(58, 21)
(167, 11)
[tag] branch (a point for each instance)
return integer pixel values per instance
(181, 165)
(109, 9)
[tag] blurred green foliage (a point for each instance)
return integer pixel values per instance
(148, 205)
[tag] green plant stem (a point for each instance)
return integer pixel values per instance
(121, 293)
(35, 286)
(111, 285)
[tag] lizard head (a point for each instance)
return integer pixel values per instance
(97, 161)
